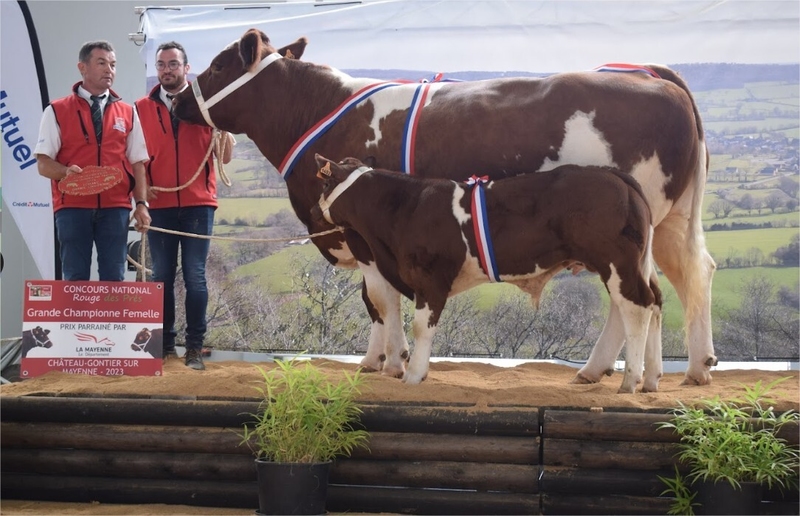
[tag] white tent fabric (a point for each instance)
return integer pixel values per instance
(503, 36)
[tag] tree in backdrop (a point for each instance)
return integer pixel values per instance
(328, 312)
(760, 327)
(789, 186)
(789, 256)
(721, 208)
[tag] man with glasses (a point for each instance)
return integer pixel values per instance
(177, 151)
(92, 126)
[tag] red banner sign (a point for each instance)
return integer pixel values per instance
(100, 328)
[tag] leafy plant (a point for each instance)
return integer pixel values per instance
(732, 441)
(684, 497)
(304, 416)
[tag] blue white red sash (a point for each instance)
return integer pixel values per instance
(410, 130)
(624, 67)
(326, 123)
(409, 133)
(480, 224)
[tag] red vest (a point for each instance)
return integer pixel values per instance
(174, 160)
(79, 147)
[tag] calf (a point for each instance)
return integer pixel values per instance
(435, 238)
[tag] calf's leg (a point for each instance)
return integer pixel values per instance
(636, 315)
(388, 347)
(605, 350)
(425, 320)
(653, 367)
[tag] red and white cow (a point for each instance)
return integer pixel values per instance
(439, 238)
(643, 123)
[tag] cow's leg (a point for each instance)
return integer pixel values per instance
(425, 320)
(680, 251)
(388, 347)
(605, 350)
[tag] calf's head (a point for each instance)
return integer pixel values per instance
(336, 177)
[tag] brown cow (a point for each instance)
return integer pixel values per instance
(428, 235)
(643, 123)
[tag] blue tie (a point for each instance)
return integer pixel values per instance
(172, 117)
(97, 116)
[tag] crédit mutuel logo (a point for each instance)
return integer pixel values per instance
(20, 151)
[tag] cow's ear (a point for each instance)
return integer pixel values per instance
(47, 332)
(294, 50)
(250, 47)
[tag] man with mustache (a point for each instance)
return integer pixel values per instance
(92, 126)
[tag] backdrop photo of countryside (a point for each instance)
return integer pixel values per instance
(270, 289)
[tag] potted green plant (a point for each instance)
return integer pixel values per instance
(304, 422)
(730, 450)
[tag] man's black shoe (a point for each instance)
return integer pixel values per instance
(194, 359)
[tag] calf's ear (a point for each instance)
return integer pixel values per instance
(323, 166)
(294, 50)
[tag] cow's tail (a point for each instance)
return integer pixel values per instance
(698, 266)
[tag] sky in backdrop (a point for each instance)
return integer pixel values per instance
(495, 35)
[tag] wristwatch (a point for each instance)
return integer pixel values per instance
(146, 205)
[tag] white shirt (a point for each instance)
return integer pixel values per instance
(166, 100)
(50, 133)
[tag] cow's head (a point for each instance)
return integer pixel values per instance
(141, 339)
(41, 338)
(206, 101)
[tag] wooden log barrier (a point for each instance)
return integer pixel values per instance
(421, 459)
(123, 451)
(612, 460)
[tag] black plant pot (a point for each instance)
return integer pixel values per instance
(292, 488)
(722, 498)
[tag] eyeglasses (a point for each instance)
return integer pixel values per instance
(173, 65)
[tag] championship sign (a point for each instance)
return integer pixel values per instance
(99, 328)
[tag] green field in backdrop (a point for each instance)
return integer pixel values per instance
(773, 108)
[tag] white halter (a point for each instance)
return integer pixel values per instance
(205, 105)
(325, 204)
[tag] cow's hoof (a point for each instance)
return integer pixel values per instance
(369, 366)
(367, 369)
(412, 379)
(581, 379)
(394, 372)
(695, 380)
(651, 385)
(700, 375)
(626, 390)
